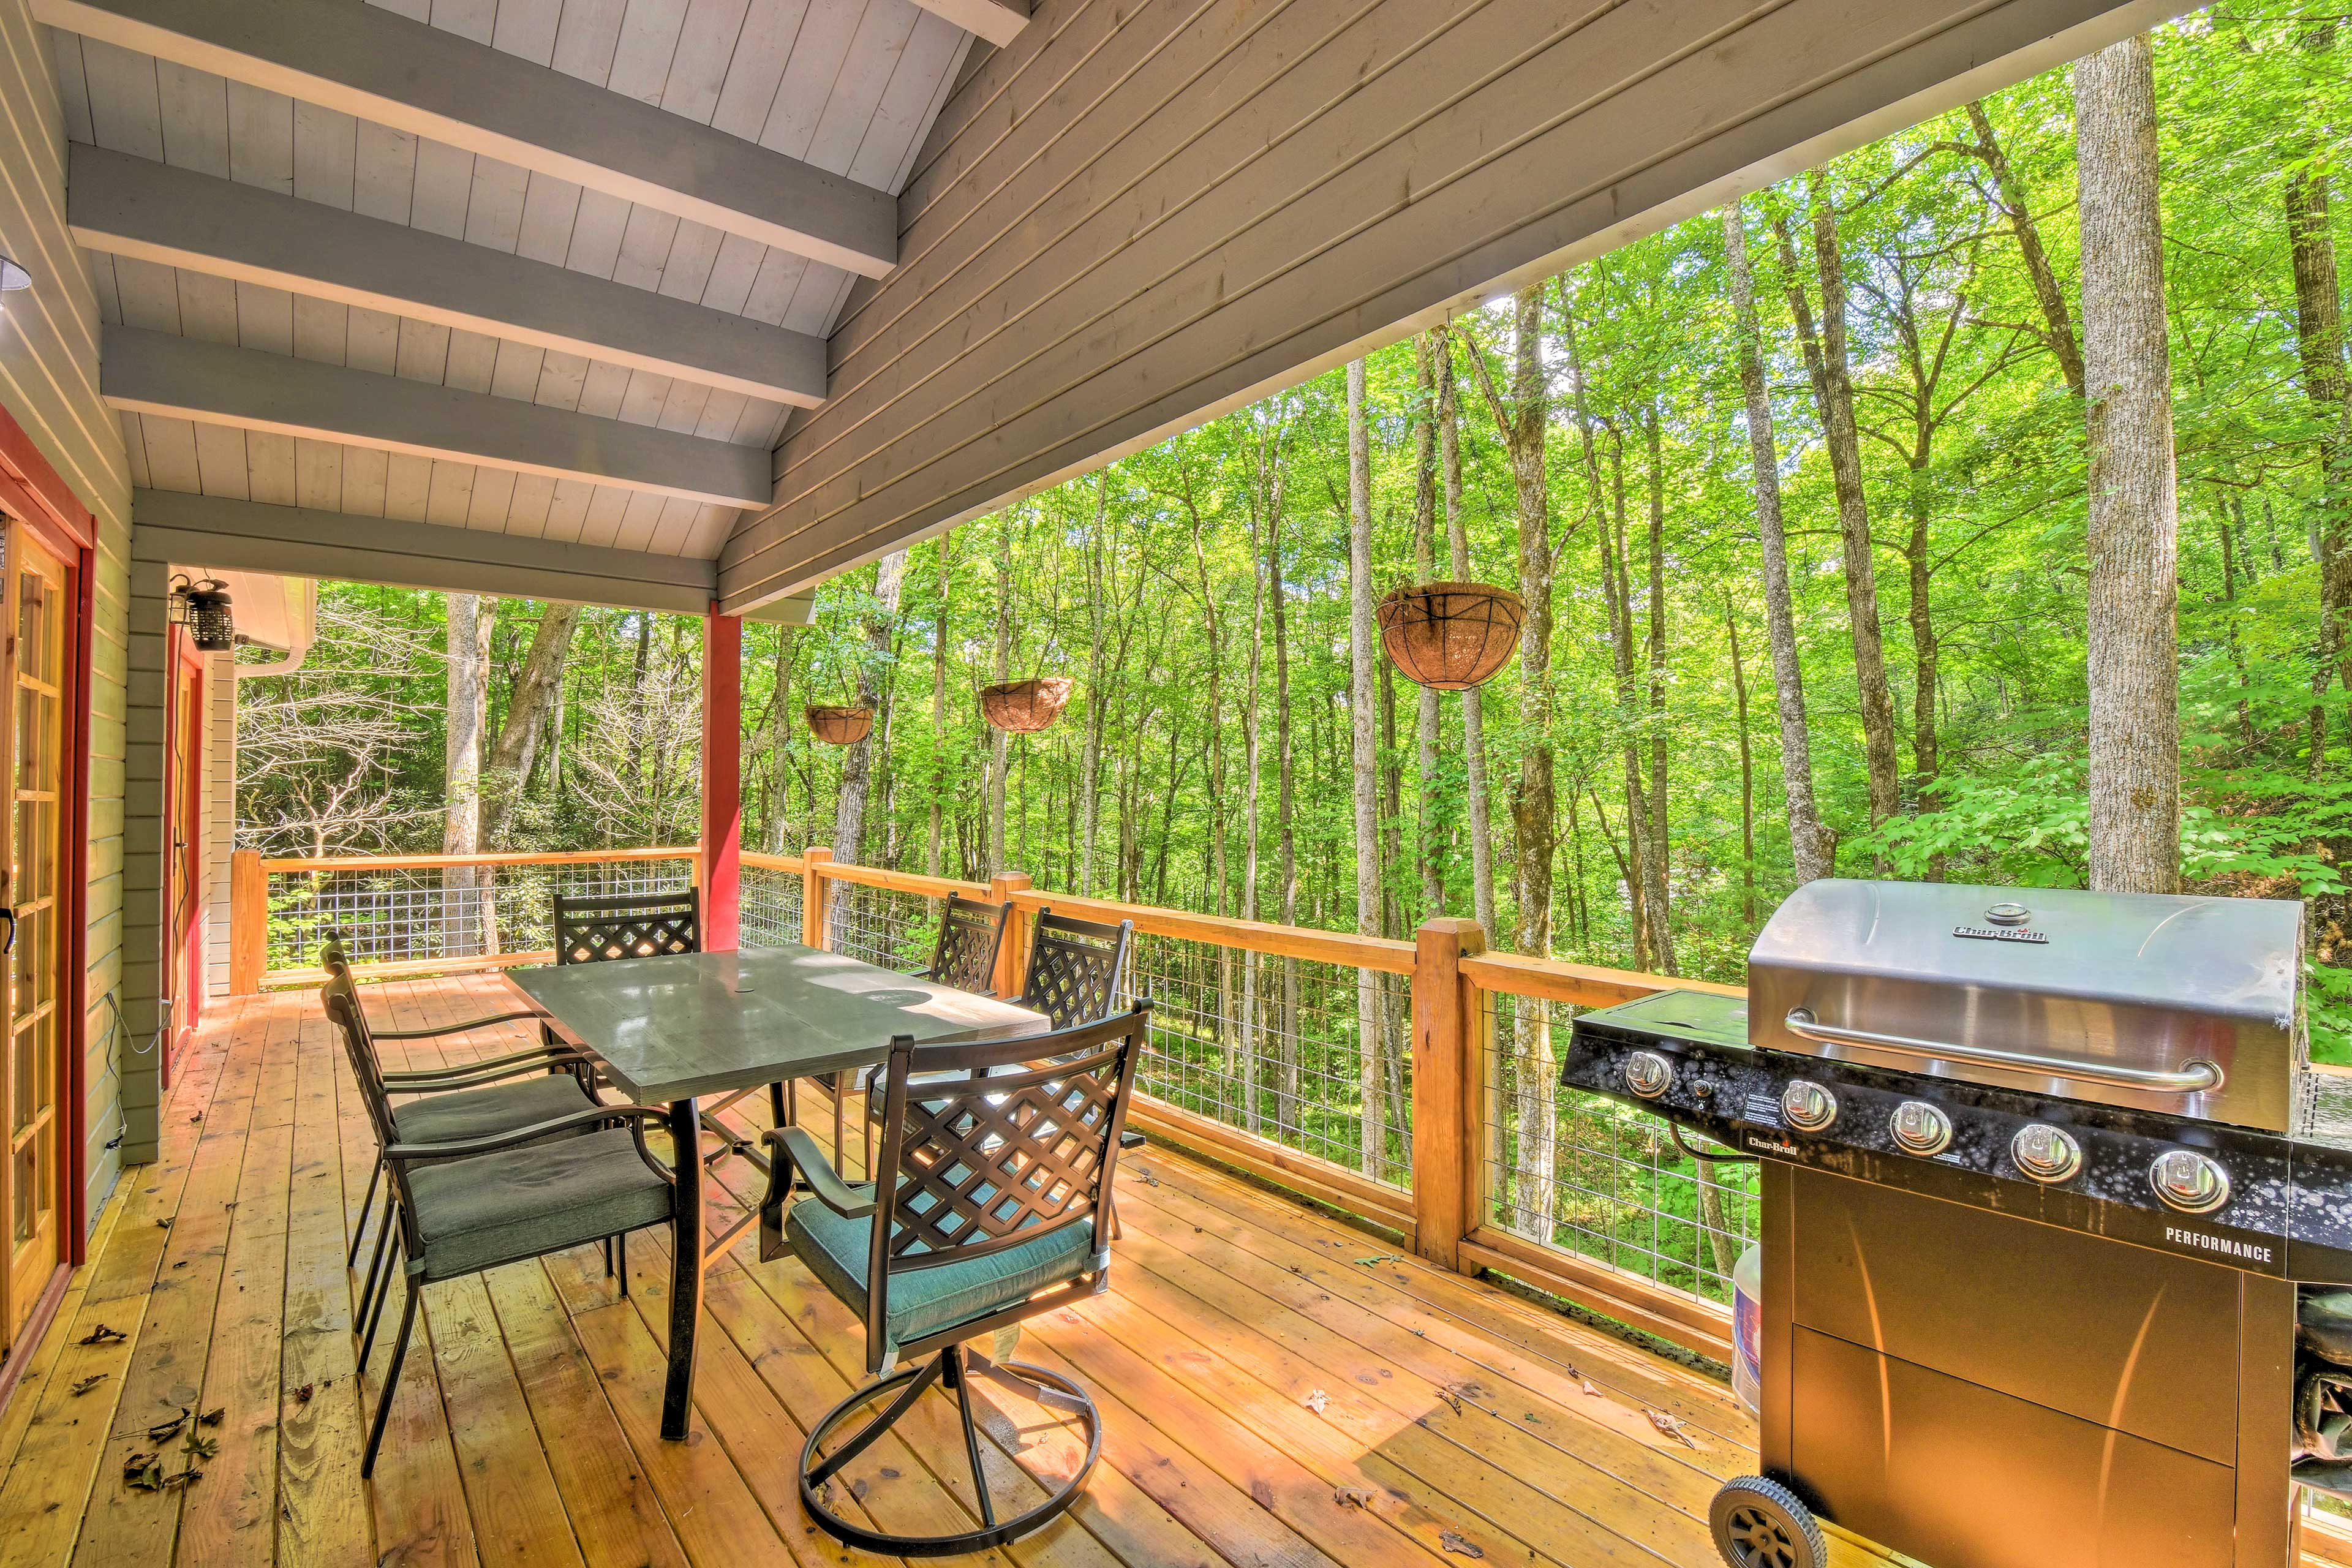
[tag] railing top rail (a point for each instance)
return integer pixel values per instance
(790, 863)
(1577, 985)
(898, 881)
(434, 862)
(1340, 947)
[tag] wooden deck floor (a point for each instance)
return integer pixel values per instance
(1277, 1391)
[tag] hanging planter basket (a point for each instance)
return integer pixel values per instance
(1450, 636)
(1025, 707)
(840, 726)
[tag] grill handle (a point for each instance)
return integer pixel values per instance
(2195, 1078)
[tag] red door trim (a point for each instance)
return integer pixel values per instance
(32, 489)
(183, 951)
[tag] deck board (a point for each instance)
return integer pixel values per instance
(524, 1434)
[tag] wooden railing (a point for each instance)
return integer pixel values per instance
(1449, 1183)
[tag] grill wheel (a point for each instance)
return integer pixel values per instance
(1759, 1523)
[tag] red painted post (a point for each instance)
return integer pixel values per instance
(722, 781)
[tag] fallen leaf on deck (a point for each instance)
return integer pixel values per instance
(214, 1417)
(102, 1335)
(163, 1429)
(1317, 1400)
(1452, 1542)
(302, 1394)
(1450, 1398)
(1353, 1497)
(84, 1384)
(1671, 1426)
(1380, 1258)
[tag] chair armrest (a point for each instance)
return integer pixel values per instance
(537, 1057)
(456, 1029)
(570, 1120)
(470, 1077)
(801, 1149)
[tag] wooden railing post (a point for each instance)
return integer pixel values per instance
(248, 922)
(1448, 1027)
(813, 894)
(1012, 958)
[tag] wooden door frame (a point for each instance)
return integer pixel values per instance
(183, 971)
(34, 490)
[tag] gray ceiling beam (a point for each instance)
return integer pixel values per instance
(126, 206)
(368, 62)
(232, 535)
(213, 384)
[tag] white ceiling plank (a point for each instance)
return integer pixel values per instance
(384, 176)
(527, 27)
(753, 74)
(325, 155)
(318, 475)
(445, 183)
(493, 499)
(601, 523)
(818, 56)
(363, 476)
(134, 447)
(368, 63)
(494, 209)
(73, 86)
(124, 112)
(262, 138)
(194, 105)
(450, 497)
(220, 461)
(697, 68)
(567, 510)
(527, 510)
(170, 452)
(640, 515)
(269, 467)
(549, 206)
(998, 21)
(647, 43)
(406, 478)
(155, 373)
(873, 60)
(473, 19)
(373, 341)
(586, 37)
(322, 330)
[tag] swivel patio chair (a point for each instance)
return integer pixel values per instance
(472, 1203)
(598, 928)
(986, 1210)
(472, 1099)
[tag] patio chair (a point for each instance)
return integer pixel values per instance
(972, 933)
(472, 1099)
(471, 1203)
(598, 928)
(986, 1210)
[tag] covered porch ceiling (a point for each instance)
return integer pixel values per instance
(673, 302)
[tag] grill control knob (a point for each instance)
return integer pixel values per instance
(2188, 1181)
(1808, 1106)
(2045, 1153)
(1648, 1074)
(1921, 1129)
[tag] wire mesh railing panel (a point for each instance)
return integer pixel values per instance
(1276, 1047)
(882, 926)
(1585, 1174)
(413, 915)
(771, 907)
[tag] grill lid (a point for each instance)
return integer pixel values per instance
(2186, 1006)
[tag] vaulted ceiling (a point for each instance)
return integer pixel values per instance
(557, 268)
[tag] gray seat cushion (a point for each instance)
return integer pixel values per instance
(521, 1203)
(462, 1114)
(929, 1299)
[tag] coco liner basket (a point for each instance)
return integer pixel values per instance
(840, 726)
(1025, 707)
(1450, 636)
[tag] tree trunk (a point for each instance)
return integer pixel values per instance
(2058, 326)
(935, 849)
(2319, 345)
(2134, 665)
(1287, 1113)
(857, 766)
(1361, 654)
(1925, 650)
(1252, 1111)
(1425, 349)
(528, 711)
(1221, 882)
(1811, 843)
(1825, 359)
(1457, 539)
(1654, 864)
(1097, 697)
(1747, 768)
(778, 753)
(465, 892)
(996, 745)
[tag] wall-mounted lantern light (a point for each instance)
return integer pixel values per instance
(202, 607)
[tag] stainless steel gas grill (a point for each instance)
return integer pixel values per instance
(2041, 1171)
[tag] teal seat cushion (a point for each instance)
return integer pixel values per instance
(523, 1203)
(461, 1115)
(929, 1299)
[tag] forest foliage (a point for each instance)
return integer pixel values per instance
(1200, 590)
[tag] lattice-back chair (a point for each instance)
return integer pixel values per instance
(972, 933)
(985, 1209)
(466, 1205)
(1075, 967)
(598, 927)
(470, 1099)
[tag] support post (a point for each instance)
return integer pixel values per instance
(721, 861)
(248, 922)
(1013, 957)
(1448, 1029)
(813, 894)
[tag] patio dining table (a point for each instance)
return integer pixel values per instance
(686, 1029)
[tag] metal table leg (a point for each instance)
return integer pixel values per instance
(686, 1268)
